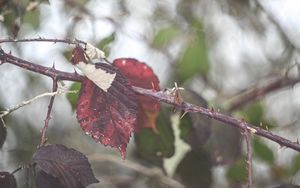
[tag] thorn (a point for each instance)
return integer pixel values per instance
(184, 113)
(53, 65)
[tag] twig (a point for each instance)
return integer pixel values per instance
(48, 116)
(40, 39)
(152, 172)
(248, 139)
(262, 91)
(160, 96)
(24, 103)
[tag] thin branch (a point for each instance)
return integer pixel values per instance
(48, 116)
(160, 96)
(40, 39)
(151, 172)
(248, 139)
(29, 101)
(258, 92)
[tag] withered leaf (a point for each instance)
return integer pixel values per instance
(109, 117)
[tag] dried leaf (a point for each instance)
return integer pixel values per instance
(7, 180)
(69, 166)
(106, 108)
(109, 117)
(141, 75)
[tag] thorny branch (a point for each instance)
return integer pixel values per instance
(160, 96)
(48, 116)
(262, 91)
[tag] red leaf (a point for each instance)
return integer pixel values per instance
(141, 75)
(109, 117)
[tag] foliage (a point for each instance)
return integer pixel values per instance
(112, 115)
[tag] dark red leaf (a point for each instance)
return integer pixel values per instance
(109, 117)
(7, 180)
(141, 75)
(69, 166)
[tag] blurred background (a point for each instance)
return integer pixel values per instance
(216, 49)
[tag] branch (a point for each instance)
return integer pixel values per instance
(29, 101)
(48, 117)
(160, 96)
(151, 172)
(40, 39)
(248, 138)
(262, 91)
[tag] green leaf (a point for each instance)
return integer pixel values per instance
(32, 18)
(164, 36)
(295, 164)
(195, 169)
(154, 146)
(194, 129)
(194, 60)
(238, 171)
(103, 44)
(67, 54)
(262, 151)
(73, 97)
(254, 113)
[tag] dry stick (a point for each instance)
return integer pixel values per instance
(27, 102)
(48, 116)
(40, 39)
(248, 138)
(160, 96)
(262, 91)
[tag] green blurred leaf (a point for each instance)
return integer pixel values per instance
(3, 132)
(103, 44)
(73, 97)
(295, 164)
(154, 146)
(185, 127)
(253, 113)
(194, 129)
(238, 171)
(81, 2)
(194, 170)
(262, 151)
(194, 60)
(224, 143)
(164, 36)
(32, 18)
(67, 54)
